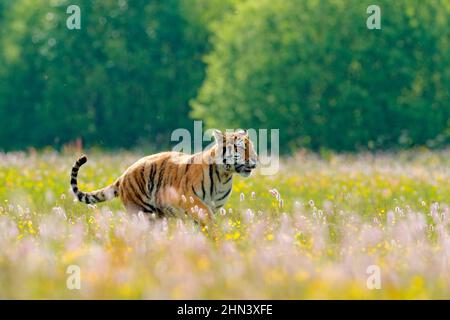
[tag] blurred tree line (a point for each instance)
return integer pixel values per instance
(139, 69)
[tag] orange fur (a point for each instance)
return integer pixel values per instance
(173, 183)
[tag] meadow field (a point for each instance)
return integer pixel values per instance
(311, 231)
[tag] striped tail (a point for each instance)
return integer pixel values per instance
(100, 195)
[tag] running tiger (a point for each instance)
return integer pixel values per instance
(170, 183)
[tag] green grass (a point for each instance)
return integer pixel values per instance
(338, 215)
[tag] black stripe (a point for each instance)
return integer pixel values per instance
(193, 190)
(212, 180)
(228, 179)
(225, 195)
(151, 209)
(143, 179)
(140, 185)
(217, 173)
(75, 189)
(203, 187)
(116, 188)
(82, 160)
(134, 195)
(187, 168)
(161, 176)
(224, 150)
(96, 198)
(143, 204)
(80, 196)
(151, 179)
(73, 181)
(159, 212)
(138, 196)
(147, 206)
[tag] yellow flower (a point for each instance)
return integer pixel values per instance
(203, 263)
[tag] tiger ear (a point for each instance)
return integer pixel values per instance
(218, 135)
(243, 132)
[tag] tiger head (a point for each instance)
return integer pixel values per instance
(236, 152)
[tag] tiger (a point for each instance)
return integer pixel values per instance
(173, 183)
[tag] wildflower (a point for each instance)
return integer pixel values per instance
(390, 218)
(165, 225)
(242, 197)
(253, 195)
(274, 192)
(223, 211)
(191, 199)
(249, 214)
(280, 203)
(183, 198)
(435, 206)
(311, 203)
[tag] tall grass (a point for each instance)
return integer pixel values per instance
(310, 231)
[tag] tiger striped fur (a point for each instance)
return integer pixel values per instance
(173, 183)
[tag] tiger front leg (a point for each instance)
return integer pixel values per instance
(199, 211)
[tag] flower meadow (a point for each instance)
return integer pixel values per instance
(312, 231)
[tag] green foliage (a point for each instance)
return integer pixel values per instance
(310, 68)
(339, 215)
(314, 70)
(126, 77)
